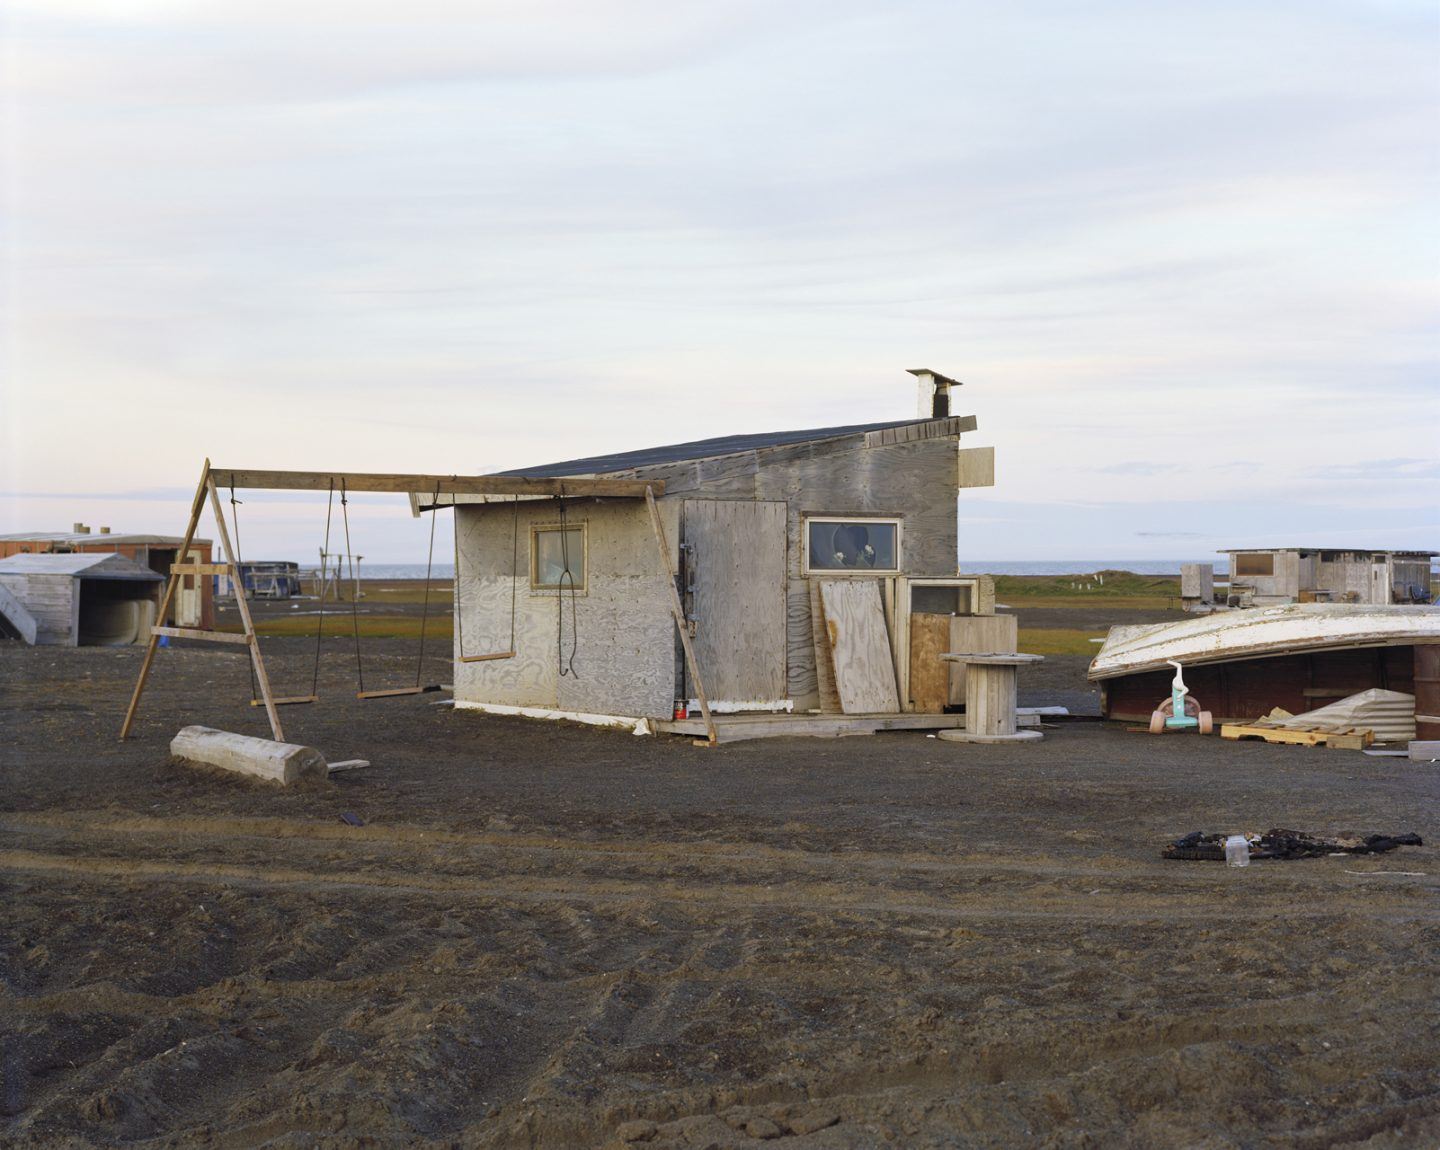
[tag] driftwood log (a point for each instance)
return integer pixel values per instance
(285, 763)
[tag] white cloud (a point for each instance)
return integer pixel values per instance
(452, 236)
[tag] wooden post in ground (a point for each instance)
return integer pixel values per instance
(195, 505)
(243, 604)
(679, 612)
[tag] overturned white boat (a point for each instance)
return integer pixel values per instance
(1297, 656)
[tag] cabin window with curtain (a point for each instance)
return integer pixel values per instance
(858, 545)
(554, 551)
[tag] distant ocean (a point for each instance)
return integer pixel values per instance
(970, 567)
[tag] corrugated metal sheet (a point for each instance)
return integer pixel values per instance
(1390, 714)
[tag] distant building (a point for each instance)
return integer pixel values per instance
(1262, 576)
(193, 604)
(78, 599)
(263, 579)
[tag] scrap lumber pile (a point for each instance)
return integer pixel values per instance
(1352, 723)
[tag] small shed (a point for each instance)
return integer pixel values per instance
(1268, 576)
(803, 559)
(193, 604)
(83, 599)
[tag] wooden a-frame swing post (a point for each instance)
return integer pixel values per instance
(179, 570)
(207, 488)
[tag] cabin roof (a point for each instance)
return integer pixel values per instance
(701, 449)
(87, 565)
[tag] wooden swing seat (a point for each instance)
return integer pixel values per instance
(485, 658)
(287, 700)
(393, 691)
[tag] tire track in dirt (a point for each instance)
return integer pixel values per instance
(793, 897)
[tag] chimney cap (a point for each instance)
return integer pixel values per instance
(935, 375)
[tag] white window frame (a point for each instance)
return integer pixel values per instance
(841, 572)
(582, 586)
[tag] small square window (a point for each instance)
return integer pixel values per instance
(557, 558)
(852, 545)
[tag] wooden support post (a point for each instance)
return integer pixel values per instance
(243, 604)
(195, 506)
(679, 612)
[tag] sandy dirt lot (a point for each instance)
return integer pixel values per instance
(546, 935)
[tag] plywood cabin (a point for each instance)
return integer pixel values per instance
(568, 603)
(194, 602)
(77, 600)
(1266, 576)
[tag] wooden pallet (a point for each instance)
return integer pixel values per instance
(1351, 739)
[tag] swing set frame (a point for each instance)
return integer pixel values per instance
(213, 478)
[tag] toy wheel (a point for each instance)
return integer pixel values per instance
(1157, 722)
(1167, 708)
(1207, 722)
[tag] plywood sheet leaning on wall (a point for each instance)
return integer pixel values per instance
(929, 675)
(994, 634)
(737, 580)
(860, 646)
(824, 661)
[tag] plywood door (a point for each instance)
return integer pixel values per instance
(860, 646)
(736, 577)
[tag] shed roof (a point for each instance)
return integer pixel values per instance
(1343, 550)
(88, 565)
(92, 538)
(701, 449)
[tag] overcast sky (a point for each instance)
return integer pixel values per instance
(1184, 256)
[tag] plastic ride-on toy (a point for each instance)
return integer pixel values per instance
(1180, 712)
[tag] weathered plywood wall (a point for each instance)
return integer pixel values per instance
(622, 624)
(53, 602)
(916, 481)
(737, 576)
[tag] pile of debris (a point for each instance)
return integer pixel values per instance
(1351, 723)
(1277, 843)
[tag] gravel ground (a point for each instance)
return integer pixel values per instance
(546, 935)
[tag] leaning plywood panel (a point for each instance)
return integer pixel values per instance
(929, 674)
(17, 616)
(864, 666)
(993, 634)
(736, 565)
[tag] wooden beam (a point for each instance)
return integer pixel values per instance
(207, 636)
(249, 627)
(428, 484)
(678, 610)
(196, 505)
(200, 569)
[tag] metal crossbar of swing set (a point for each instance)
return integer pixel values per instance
(403, 484)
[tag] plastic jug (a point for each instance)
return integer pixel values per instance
(1237, 851)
